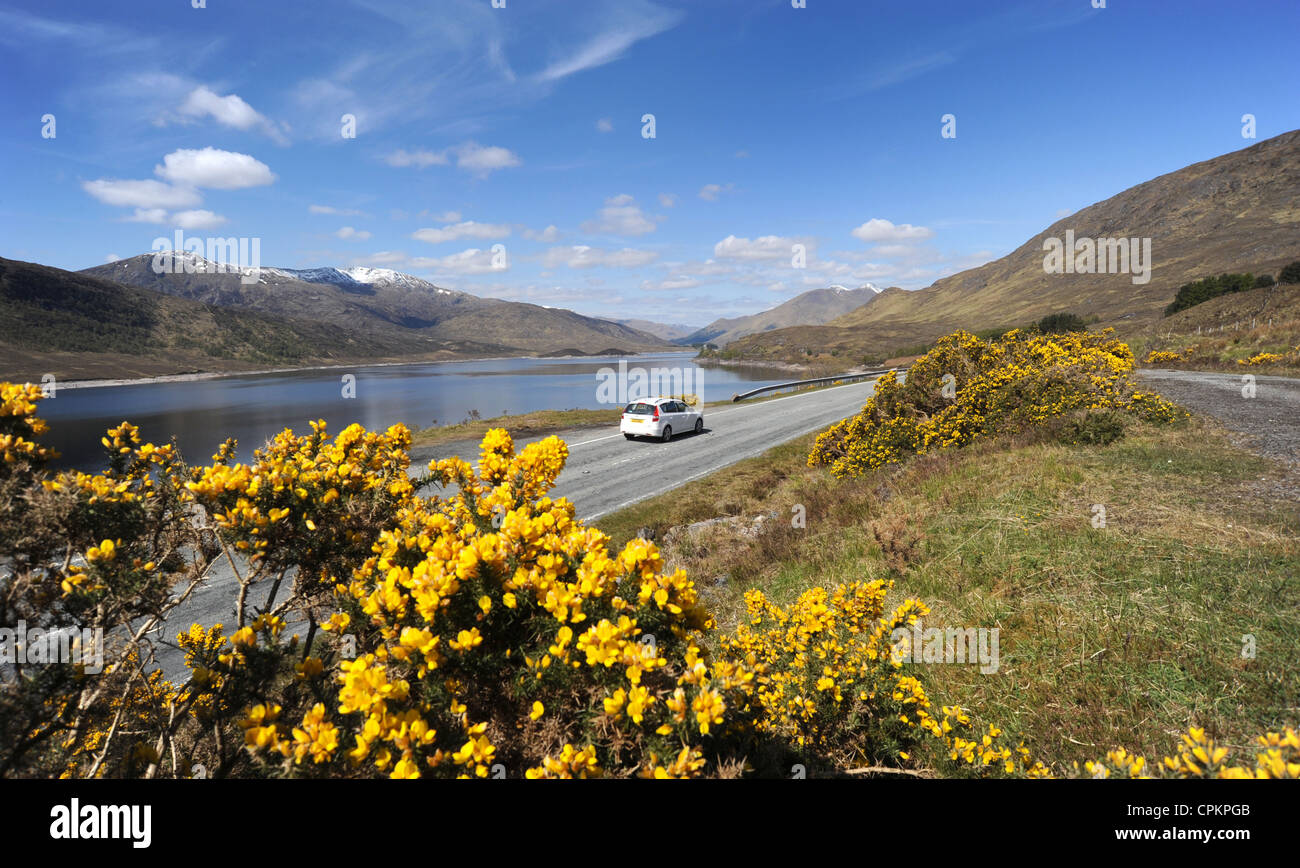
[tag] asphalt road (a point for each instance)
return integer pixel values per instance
(605, 472)
(1269, 419)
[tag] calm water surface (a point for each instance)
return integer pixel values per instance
(253, 408)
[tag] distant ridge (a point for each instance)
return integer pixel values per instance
(810, 308)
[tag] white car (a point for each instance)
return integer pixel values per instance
(661, 418)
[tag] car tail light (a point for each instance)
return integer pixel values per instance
(656, 414)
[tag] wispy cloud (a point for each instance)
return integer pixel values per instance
(231, 111)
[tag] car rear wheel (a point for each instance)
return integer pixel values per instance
(668, 433)
(699, 425)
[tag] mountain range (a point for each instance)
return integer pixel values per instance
(814, 307)
(128, 319)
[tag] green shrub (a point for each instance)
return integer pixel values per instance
(1095, 428)
(1196, 292)
(1061, 323)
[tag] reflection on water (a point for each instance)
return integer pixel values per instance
(252, 408)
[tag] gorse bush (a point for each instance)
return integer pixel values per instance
(1156, 357)
(1277, 755)
(477, 631)
(966, 388)
(381, 632)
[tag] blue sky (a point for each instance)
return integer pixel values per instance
(478, 126)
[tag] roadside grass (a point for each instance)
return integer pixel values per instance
(1116, 635)
(520, 426)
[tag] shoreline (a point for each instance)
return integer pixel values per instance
(740, 363)
(197, 376)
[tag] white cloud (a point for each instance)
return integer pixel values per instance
(112, 257)
(478, 159)
(141, 194)
(213, 168)
(199, 219)
(605, 125)
(472, 261)
(549, 235)
(337, 212)
(620, 216)
(195, 219)
(230, 111)
(894, 251)
(481, 159)
(419, 158)
(582, 256)
(768, 247)
(383, 257)
(667, 200)
(461, 231)
(347, 233)
(882, 231)
(444, 217)
(148, 215)
(711, 192)
(705, 268)
(670, 283)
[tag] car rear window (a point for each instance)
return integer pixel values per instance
(640, 409)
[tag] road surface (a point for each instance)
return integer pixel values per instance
(606, 472)
(1269, 418)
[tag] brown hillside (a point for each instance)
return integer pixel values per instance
(1236, 212)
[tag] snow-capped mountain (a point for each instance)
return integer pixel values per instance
(384, 277)
(186, 262)
(380, 301)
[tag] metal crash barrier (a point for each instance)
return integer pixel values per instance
(864, 375)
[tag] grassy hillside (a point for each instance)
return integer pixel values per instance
(1218, 334)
